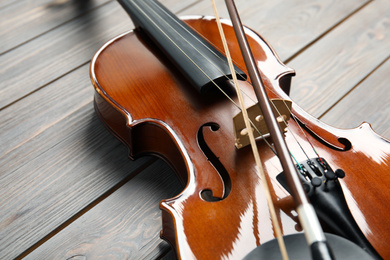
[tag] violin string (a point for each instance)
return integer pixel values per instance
(178, 47)
(207, 47)
(242, 77)
(219, 88)
(254, 146)
(256, 154)
(211, 80)
(304, 134)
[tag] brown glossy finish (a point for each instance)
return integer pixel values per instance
(147, 104)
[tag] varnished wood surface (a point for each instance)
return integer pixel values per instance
(67, 187)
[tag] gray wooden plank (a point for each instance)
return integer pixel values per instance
(46, 58)
(126, 225)
(337, 63)
(369, 101)
(5, 3)
(386, 133)
(287, 25)
(24, 120)
(57, 173)
(26, 20)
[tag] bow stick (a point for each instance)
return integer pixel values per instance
(313, 232)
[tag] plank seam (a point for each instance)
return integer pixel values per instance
(352, 89)
(87, 208)
(304, 48)
(44, 85)
(54, 28)
(43, 130)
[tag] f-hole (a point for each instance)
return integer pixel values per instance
(207, 195)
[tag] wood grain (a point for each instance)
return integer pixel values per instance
(55, 175)
(288, 26)
(126, 225)
(21, 122)
(51, 155)
(59, 51)
(26, 20)
(332, 67)
(368, 101)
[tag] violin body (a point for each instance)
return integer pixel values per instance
(150, 106)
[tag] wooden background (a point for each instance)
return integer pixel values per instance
(67, 189)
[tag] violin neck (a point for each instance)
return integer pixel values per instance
(198, 60)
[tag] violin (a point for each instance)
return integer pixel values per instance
(165, 89)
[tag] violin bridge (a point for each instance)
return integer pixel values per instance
(282, 112)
